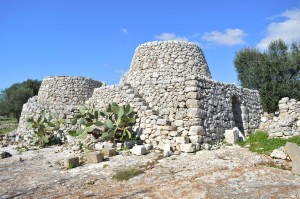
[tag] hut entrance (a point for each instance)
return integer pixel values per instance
(237, 113)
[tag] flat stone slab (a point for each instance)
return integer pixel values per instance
(109, 152)
(293, 152)
(94, 157)
(71, 162)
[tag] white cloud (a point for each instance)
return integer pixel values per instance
(229, 37)
(124, 30)
(287, 30)
(170, 36)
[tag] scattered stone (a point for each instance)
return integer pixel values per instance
(148, 147)
(94, 157)
(232, 136)
(139, 150)
(279, 153)
(109, 152)
(71, 162)
(167, 150)
(129, 144)
(99, 146)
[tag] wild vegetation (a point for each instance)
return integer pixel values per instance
(47, 129)
(259, 142)
(126, 174)
(116, 122)
(8, 124)
(274, 72)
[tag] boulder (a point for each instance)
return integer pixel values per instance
(293, 152)
(279, 153)
(232, 136)
(94, 157)
(167, 150)
(139, 150)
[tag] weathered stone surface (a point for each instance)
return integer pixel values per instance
(196, 130)
(109, 152)
(293, 152)
(232, 136)
(182, 140)
(71, 162)
(188, 148)
(94, 157)
(167, 150)
(279, 153)
(139, 150)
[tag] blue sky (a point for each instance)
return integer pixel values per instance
(97, 39)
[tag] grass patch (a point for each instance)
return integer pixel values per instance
(126, 174)
(9, 129)
(260, 143)
(7, 125)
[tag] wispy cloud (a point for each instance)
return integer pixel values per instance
(287, 30)
(229, 37)
(170, 36)
(124, 30)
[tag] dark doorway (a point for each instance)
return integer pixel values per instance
(237, 113)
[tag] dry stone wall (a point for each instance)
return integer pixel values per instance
(187, 113)
(165, 60)
(66, 90)
(285, 122)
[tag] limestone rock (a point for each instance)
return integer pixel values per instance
(167, 150)
(231, 136)
(139, 150)
(279, 153)
(109, 152)
(71, 162)
(188, 148)
(293, 152)
(94, 157)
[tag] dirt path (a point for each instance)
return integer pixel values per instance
(233, 172)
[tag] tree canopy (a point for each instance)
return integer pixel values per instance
(274, 72)
(13, 98)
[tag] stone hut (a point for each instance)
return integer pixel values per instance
(60, 94)
(169, 85)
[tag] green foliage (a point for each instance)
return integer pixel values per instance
(88, 119)
(47, 130)
(126, 174)
(275, 72)
(13, 98)
(260, 143)
(116, 122)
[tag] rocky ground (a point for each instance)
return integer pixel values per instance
(232, 172)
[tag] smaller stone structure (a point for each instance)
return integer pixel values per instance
(284, 123)
(60, 94)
